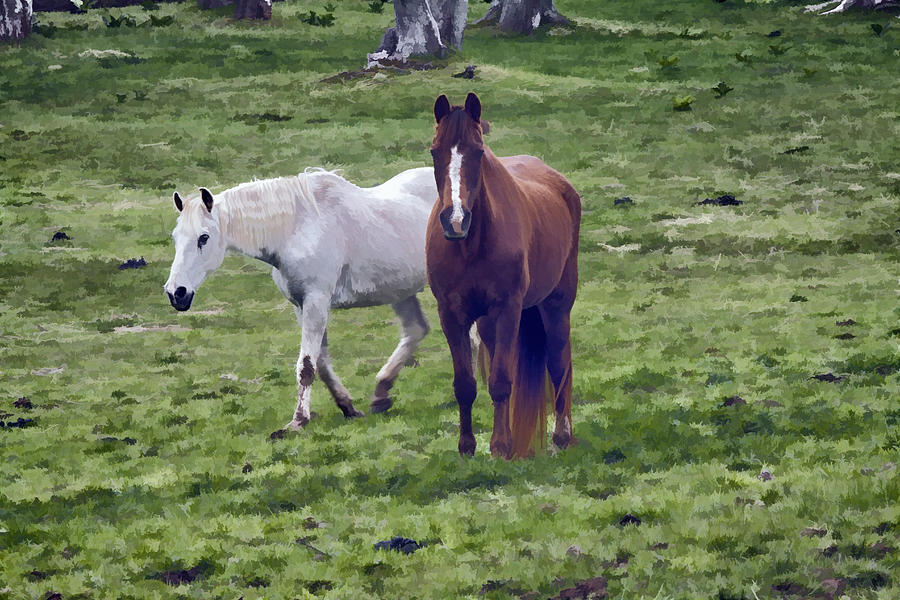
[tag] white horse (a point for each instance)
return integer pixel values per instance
(330, 244)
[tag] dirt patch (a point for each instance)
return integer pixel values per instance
(833, 588)
(828, 378)
(103, 53)
(467, 73)
(724, 200)
(257, 582)
(401, 68)
(23, 403)
(813, 532)
(315, 586)
(620, 562)
(210, 311)
(143, 329)
(132, 263)
(398, 544)
(613, 456)
(180, 576)
(45, 371)
(733, 400)
(789, 588)
(127, 440)
(588, 589)
(879, 550)
(19, 423)
(629, 519)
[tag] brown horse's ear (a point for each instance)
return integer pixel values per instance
(473, 106)
(485, 127)
(207, 198)
(178, 203)
(441, 108)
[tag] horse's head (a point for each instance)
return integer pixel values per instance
(457, 150)
(199, 248)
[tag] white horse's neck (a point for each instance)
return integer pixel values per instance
(258, 217)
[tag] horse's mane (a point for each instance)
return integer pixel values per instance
(262, 213)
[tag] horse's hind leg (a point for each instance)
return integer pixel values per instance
(555, 315)
(414, 328)
(330, 379)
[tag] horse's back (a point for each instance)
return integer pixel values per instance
(531, 171)
(385, 249)
(416, 185)
(549, 210)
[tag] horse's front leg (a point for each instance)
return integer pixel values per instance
(313, 318)
(501, 338)
(456, 331)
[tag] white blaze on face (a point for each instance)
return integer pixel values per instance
(454, 173)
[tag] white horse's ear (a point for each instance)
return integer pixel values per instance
(207, 197)
(178, 203)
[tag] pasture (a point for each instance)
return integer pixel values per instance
(135, 458)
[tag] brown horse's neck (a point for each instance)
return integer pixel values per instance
(486, 206)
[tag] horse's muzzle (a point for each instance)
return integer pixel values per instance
(181, 299)
(454, 231)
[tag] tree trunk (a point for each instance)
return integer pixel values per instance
(522, 16)
(15, 19)
(843, 5)
(423, 27)
(253, 9)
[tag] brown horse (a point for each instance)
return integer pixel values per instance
(502, 251)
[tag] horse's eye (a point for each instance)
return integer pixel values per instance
(201, 241)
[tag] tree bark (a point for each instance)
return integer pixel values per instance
(253, 9)
(522, 16)
(843, 5)
(424, 28)
(15, 19)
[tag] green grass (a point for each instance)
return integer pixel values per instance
(135, 463)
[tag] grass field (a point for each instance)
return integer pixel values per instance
(144, 459)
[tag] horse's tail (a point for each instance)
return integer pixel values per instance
(532, 389)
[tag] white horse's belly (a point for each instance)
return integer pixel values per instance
(356, 289)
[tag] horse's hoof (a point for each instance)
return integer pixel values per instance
(562, 441)
(380, 405)
(501, 451)
(352, 413)
(295, 425)
(467, 447)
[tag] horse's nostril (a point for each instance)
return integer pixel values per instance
(180, 292)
